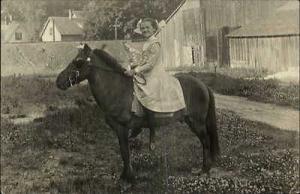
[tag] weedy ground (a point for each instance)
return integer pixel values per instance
(65, 147)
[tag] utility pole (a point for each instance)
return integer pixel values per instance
(116, 26)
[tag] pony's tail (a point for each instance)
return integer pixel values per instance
(212, 129)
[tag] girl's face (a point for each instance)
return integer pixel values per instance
(147, 29)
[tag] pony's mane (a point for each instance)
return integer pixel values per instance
(108, 59)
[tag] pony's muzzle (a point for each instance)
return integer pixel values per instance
(62, 83)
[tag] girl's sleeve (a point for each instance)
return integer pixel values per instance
(149, 58)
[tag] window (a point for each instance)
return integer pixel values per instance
(193, 55)
(18, 35)
(50, 31)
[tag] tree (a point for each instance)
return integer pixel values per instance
(100, 17)
(137, 9)
(34, 13)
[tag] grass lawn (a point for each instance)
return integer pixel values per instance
(69, 149)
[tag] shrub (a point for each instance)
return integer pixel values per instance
(271, 91)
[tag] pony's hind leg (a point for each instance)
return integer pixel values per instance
(136, 124)
(199, 128)
(135, 132)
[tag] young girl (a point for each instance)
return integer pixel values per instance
(154, 88)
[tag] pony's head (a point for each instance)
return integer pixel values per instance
(81, 66)
(77, 70)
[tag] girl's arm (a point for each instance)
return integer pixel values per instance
(149, 58)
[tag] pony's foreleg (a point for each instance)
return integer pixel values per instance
(199, 128)
(122, 134)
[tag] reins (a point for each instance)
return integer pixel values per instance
(138, 78)
(135, 77)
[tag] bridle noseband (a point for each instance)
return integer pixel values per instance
(76, 78)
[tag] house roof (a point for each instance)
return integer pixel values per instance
(284, 22)
(176, 10)
(290, 5)
(66, 26)
(164, 22)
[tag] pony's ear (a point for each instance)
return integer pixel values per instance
(80, 46)
(86, 49)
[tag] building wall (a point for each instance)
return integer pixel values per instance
(11, 37)
(24, 34)
(49, 35)
(71, 37)
(271, 53)
(190, 37)
(232, 13)
(181, 36)
(220, 13)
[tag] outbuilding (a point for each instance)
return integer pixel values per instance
(268, 43)
(63, 28)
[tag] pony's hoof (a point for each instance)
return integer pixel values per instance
(124, 185)
(128, 177)
(196, 171)
(152, 147)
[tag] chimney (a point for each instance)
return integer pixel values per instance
(70, 14)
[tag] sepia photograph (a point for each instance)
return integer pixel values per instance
(150, 96)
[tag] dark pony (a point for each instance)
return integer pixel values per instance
(113, 92)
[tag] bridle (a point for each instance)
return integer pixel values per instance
(72, 81)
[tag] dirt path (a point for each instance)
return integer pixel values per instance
(277, 116)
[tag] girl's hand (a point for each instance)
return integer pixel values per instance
(129, 73)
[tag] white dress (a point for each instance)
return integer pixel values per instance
(161, 92)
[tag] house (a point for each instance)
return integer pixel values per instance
(63, 28)
(13, 32)
(270, 43)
